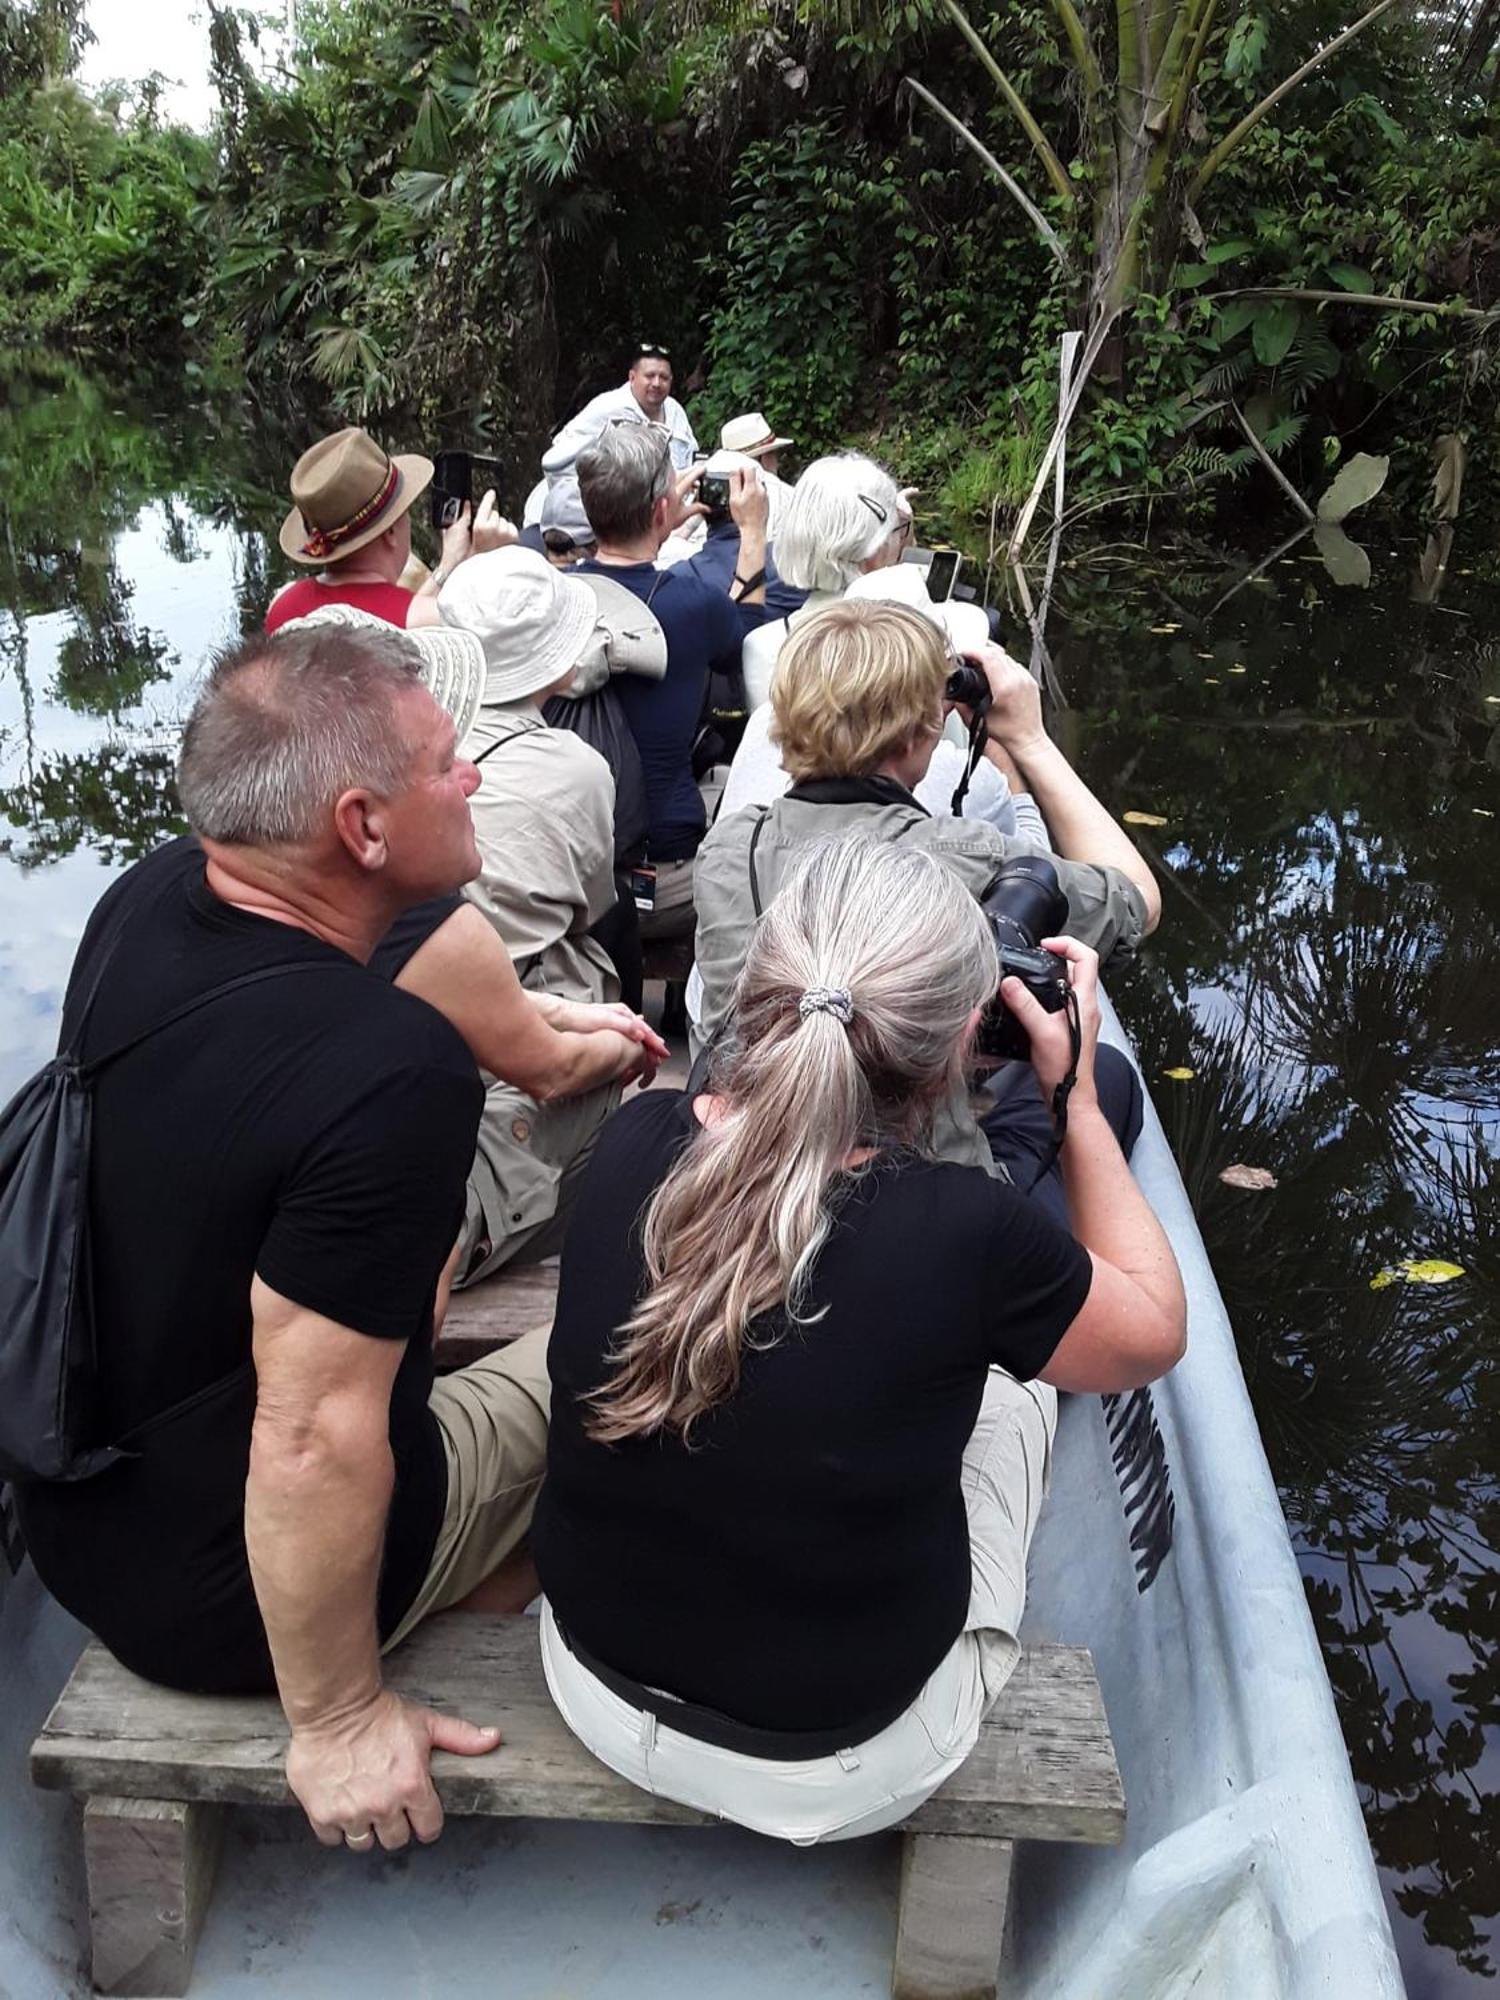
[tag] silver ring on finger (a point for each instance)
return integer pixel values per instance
(360, 1842)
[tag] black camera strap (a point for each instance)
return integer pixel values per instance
(1059, 1101)
(976, 751)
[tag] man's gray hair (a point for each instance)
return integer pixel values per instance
(286, 724)
(621, 476)
(842, 511)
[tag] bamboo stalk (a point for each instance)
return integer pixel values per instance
(1056, 172)
(1252, 118)
(1270, 464)
(1043, 227)
(1065, 415)
(1082, 47)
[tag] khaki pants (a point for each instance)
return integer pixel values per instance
(493, 1417)
(877, 1783)
(672, 914)
(528, 1163)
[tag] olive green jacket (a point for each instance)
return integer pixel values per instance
(1105, 909)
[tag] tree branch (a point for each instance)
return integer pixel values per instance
(1056, 172)
(1271, 466)
(1378, 301)
(1039, 221)
(1251, 119)
(1082, 47)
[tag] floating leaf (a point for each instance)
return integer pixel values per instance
(1418, 1271)
(1248, 1177)
(1237, 669)
(1166, 628)
(1143, 819)
(1345, 561)
(1448, 475)
(1211, 680)
(1357, 483)
(1483, 812)
(1181, 1074)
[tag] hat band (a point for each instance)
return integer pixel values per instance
(323, 541)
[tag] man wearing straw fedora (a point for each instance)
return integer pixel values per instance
(351, 522)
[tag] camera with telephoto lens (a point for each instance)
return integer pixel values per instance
(1025, 903)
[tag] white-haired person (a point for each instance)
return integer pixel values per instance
(804, 1375)
(857, 707)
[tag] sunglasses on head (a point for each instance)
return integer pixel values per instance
(649, 351)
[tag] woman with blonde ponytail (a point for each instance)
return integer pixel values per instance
(803, 1372)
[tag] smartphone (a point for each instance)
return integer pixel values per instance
(942, 574)
(452, 487)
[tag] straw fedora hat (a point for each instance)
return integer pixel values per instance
(348, 491)
(452, 663)
(752, 435)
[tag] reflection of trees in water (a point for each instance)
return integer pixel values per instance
(1380, 1409)
(119, 801)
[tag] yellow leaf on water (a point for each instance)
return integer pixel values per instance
(1430, 1271)
(1239, 670)
(1166, 628)
(1143, 819)
(1180, 1074)
(1418, 1271)
(1207, 656)
(1239, 1176)
(1482, 811)
(1210, 680)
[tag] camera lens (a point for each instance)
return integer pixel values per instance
(968, 686)
(1026, 902)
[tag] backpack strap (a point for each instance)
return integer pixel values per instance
(89, 1069)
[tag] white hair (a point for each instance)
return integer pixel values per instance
(841, 512)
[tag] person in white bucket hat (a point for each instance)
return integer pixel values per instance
(544, 819)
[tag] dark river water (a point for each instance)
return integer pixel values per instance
(1325, 765)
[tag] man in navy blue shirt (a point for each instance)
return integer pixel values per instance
(634, 499)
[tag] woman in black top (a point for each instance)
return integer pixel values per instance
(804, 1375)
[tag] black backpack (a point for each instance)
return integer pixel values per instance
(48, 1363)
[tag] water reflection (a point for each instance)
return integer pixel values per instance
(1327, 968)
(1324, 759)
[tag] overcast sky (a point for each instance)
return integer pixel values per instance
(134, 37)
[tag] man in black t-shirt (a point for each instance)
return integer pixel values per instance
(276, 1181)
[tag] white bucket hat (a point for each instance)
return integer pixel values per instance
(752, 435)
(452, 662)
(534, 622)
(965, 626)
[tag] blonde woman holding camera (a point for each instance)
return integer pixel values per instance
(804, 1374)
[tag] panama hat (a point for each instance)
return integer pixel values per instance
(751, 435)
(347, 491)
(965, 626)
(452, 663)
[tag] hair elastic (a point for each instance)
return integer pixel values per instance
(835, 1000)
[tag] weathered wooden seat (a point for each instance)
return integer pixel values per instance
(497, 1309)
(157, 1768)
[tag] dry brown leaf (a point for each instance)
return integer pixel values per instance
(1143, 819)
(1240, 1176)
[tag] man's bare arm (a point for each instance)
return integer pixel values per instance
(316, 1501)
(464, 971)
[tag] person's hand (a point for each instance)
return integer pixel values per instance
(367, 1777)
(585, 1018)
(491, 530)
(749, 504)
(1050, 1037)
(458, 542)
(1014, 716)
(684, 508)
(641, 1067)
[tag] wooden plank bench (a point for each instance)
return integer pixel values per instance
(157, 1769)
(496, 1310)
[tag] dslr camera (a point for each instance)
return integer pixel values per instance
(1025, 904)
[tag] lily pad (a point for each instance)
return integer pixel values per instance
(1357, 483)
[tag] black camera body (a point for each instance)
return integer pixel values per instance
(1025, 903)
(713, 493)
(968, 687)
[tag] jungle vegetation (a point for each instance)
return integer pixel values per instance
(1276, 225)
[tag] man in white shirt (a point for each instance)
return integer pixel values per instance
(645, 396)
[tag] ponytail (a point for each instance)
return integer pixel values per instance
(851, 1020)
